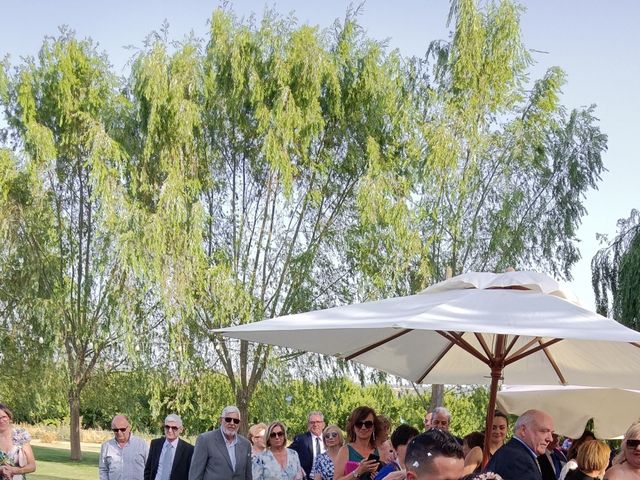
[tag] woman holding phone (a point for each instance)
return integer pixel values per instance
(359, 458)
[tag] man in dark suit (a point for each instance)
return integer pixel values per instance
(309, 445)
(222, 454)
(517, 459)
(169, 456)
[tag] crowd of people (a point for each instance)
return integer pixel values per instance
(367, 450)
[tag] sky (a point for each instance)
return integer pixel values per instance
(595, 42)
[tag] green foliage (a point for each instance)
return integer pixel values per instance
(468, 408)
(616, 273)
(74, 292)
(273, 169)
(506, 167)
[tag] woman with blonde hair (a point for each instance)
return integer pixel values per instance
(323, 465)
(590, 463)
(626, 465)
(277, 462)
(256, 437)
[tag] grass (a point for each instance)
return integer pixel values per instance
(54, 464)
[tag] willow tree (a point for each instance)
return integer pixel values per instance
(516, 164)
(504, 166)
(263, 141)
(616, 273)
(60, 110)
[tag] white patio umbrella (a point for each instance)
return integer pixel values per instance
(522, 327)
(612, 409)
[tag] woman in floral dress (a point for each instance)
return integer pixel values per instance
(16, 455)
(277, 462)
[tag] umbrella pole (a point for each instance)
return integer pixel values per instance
(497, 366)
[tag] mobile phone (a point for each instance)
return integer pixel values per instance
(373, 456)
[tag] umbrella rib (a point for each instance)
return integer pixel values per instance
(525, 347)
(456, 339)
(483, 344)
(511, 345)
(542, 346)
(435, 362)
(553, 363)
(377, 344)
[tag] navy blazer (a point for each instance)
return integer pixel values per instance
(181, 460)
(514, 461)
(303, 445)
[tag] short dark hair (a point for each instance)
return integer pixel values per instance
(424, 448)
(402, 434)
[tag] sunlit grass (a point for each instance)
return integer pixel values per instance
(54, 464)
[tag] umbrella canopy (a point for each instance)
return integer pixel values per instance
(571, 407)
(475, 328)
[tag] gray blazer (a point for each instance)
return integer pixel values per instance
(211, 459)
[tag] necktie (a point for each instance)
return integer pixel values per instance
(166, 462)
(318, 451)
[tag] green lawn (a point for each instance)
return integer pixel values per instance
(54, 464)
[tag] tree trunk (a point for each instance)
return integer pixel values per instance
(437, 396)
(74, 426)
(242, 402)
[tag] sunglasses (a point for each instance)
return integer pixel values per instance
(633, 443)
(169, 427)
(276, 434)
(234, 420)
(331, 435)
(366, 424)
(121, 430)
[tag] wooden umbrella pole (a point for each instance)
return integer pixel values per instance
(497, 366)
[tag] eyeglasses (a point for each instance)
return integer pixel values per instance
(121, 430)
(4, 417)
(331, 435)
(234, 420)
(170, 427)
(276, 434)
(633, 443)
(366, 424)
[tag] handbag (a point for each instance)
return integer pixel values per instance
(22, 458)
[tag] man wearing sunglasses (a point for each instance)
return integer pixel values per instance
(124, 456)
(222, 454)
(309, 445)
(169, 456)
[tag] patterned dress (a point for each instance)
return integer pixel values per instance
(266, 467)
(322, 465)
(19, 438)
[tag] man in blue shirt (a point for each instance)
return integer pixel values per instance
(124, 456)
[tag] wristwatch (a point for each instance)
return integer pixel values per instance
(355, 474)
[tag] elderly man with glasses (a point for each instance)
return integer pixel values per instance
(309, 445)
(169, 456)
(222, 454)
(124, 456)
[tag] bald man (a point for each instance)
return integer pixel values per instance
(124, 456)
(517, 459)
